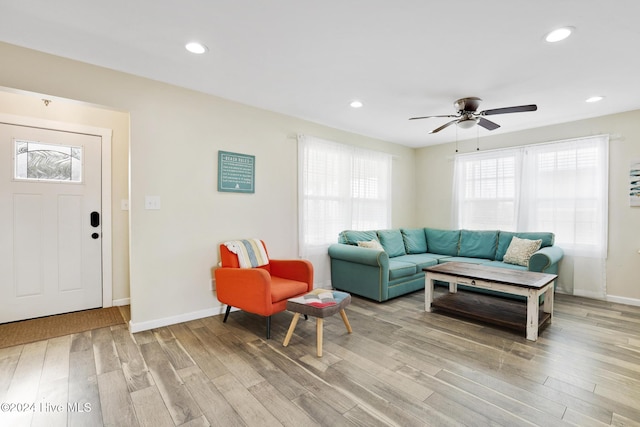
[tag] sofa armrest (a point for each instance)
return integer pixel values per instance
(359, 255)
(361, 271)
(544, 258)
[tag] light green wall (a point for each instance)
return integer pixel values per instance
(175, 135)
(434, 172)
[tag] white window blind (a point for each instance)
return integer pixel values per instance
(340, 187)
(565, 190)
(485, 188)
(560, 187)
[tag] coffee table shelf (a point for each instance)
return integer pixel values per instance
(507, 313)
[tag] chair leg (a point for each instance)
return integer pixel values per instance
(226, 314)
(268, 327)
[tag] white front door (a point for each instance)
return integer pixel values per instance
(50, 222)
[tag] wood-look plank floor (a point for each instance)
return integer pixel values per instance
(400, 367)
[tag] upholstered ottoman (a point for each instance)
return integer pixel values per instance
(319, 303)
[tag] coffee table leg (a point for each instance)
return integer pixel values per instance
(547, 306)
(428, 292)
(532, 315)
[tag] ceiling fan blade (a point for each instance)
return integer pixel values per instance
(505, 110)
(431, 117)
(444, 126)
(487, 124)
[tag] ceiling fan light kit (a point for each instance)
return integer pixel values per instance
(196, 48)
(468, 114)
(559, 34)
(467, 123)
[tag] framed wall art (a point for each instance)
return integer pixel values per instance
(634, 183)
(236, 172)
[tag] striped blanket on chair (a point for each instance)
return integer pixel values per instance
(251, 252)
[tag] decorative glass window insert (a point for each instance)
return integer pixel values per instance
(47, 162)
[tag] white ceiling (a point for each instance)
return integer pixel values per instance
(403, 58)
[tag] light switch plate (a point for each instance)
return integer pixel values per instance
(152, 202)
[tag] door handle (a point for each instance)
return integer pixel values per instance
(95, 219)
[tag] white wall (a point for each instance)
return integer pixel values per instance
(434, 172)
(175, 135)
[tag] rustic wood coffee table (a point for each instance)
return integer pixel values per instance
(492, 308)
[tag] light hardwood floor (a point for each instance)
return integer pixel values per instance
(401, 366)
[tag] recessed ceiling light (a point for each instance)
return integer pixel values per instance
(594, 99)
(356, 104)
(195, 47)
(559, 34)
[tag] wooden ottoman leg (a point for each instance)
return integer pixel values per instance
(345, 320)
(319, 335)
(292, 327)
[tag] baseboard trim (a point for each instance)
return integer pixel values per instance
(623, 300)
(589, 294)
(121, 302)
(172, 320)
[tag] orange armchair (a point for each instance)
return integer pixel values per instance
(261, 290)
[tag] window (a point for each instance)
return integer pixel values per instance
(566, 191)
(560, 187)
(341, 187)
(485, 187)
(36, 161)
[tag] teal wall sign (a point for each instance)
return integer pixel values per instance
(236, 172)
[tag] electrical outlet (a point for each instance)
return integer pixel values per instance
(124, 204)
(212, 284)
(152, 202)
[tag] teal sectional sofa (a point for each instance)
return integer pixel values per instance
(397, 270)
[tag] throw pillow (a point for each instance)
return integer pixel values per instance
(520, 250)
(371, 244)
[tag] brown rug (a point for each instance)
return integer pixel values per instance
(43, 328)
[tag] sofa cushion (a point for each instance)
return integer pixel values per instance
(420, 260)
(392, 242)
(415, 241)
(504, 240)
(401, 269)
(464, 259)
(352, 237)
(443, 242)
(520, 250)
(478, 244)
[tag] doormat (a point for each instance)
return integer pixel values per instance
(43, 328)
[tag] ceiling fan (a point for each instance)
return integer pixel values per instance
(468, 115)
